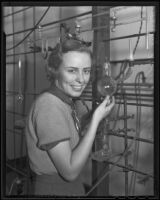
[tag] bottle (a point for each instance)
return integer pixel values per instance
(106, 85)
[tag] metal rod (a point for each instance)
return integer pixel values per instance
(138, 84)
(119, 102)
(86, 93)
(133, 99)
(131, 58)
(15, 113)
(24, 93)
(119, 97)
(16, 170)
(136, 61)
(23, 53)
(122, 117)
(128, 84)
(34, 55)
(14, 85)
(13, 13)
(128, 95)
(125, 88)
(126, 145)
(25, 69)
(131, 137)
(18, 133)
(132, 88)
(130, 22)
(51, 23)
(133, 94)
(147, 32)
(127, 36)
(135, 104)
(131, 169)
(20, 77)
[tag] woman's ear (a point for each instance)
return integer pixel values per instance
(51, 72)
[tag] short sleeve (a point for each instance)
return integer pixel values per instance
(51, 123)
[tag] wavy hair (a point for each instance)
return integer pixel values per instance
(55, 58)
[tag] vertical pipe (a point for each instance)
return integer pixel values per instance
(34, 58)
(126, 145)
(19, 76)
(100, 52)
(14, 72)
(147, 33)
(3, 115)
(29, 189)
(130, 51)
(24, 101)
(22, 91)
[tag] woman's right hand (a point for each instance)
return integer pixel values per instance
(104, 109)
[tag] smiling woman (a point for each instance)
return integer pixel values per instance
(57, 154)
(73, 74)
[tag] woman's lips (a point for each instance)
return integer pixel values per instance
(77, 88)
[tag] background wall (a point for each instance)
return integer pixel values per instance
(33, 78)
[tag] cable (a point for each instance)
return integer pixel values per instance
(122, 69)
(139, 31)
(135, 158)
(14, 181)
(22, 10)
(138, 121)
(138, 131)
(31, 30)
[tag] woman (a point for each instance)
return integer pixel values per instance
(56, 153)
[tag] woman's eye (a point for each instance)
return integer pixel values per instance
(87, 71)
(71, 71)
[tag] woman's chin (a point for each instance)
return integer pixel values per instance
(76, 93)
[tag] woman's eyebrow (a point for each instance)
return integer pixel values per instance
(87, 68)
(71, 67)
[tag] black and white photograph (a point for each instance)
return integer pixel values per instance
(79, 100)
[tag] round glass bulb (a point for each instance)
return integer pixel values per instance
(107, 86)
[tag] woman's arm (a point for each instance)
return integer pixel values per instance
(69, 163)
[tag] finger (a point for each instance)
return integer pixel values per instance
(106, 101)
(110, 106)
(112, 99)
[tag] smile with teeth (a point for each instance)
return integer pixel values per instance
(77, 87)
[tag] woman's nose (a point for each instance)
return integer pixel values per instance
(80, 77)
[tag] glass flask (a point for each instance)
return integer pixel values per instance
(103, 151)
(106, 85)
(105, 146)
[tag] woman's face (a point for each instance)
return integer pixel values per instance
(74, 73)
